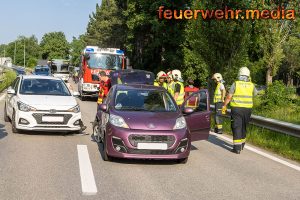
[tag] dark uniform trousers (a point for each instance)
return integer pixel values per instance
(240, 118)
(218, 117)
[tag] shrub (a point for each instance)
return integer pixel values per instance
(8, 78)
(277, 94)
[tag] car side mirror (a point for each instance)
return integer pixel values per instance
(11, 91)
(102, 107)
(76, 94)
(188, 110)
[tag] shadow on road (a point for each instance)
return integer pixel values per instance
(216, 141)
(137, 161)
(3, 132)
(42, 133)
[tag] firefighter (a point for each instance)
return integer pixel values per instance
(219, 97)
(160, 79)
(193, 101)
(178, 87)
(190, 88)
(105, 85)
(170, 83)
(241, 102)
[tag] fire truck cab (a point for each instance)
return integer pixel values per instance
(93, 60)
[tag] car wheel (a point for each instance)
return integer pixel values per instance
(13, 123)
(106, 157)
(82, 98)
(183, 160)
(6, 118)
(96, 133)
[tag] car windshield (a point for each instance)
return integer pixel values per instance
(44, 87)
(105, 61)
(144, 100)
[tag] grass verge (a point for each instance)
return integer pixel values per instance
(7, 78)
(282, 144)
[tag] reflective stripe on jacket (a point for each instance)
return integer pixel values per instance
(243, 95)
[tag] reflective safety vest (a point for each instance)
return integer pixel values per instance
(218, 94)
(243, 95)
(170, 88)
(180, 98)
(164, 84)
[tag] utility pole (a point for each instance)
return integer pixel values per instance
(24, 53)
(15, 52)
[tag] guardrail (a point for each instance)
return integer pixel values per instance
(272, 124)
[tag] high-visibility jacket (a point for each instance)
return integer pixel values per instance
(170, 88)
(180, 98)
(163, 85)
(189, 90)
(218, 94)
(103, 90)
(193, 101)
(243, 95)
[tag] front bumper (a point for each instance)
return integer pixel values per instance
(133, 152)
(35, 122)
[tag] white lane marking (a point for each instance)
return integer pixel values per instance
(88, 184)
(261, 153)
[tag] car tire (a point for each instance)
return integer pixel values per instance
(13, 123)
(183, 160)
(105, 157)
(97, 137)
(6, 118)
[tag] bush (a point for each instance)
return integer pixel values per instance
(278, 94)
(8, 78)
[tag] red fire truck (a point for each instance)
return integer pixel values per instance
(94, 60)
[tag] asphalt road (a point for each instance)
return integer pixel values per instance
(45, 166)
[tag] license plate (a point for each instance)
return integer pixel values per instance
(52, 119)
(155, 146)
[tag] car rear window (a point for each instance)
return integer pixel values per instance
(44, 87)
(144, 100)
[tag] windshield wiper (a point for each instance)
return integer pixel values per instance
(133, 108)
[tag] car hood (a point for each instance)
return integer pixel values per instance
(141, 120)
(49, 101)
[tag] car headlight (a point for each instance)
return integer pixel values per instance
(24, 107)
(75, 109)
(117, 121)
(180, 123)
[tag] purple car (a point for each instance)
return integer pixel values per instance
(143, 122)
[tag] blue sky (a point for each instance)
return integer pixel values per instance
(37, 17)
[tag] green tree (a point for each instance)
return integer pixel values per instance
(54, 45)
(77, 46)
(106, 26)
(15, 50)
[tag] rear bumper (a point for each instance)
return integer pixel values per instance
(133, 152)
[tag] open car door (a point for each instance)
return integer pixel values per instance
(198, 122)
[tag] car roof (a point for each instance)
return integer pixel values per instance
(37, 67)
(39, 77)
(138, 86)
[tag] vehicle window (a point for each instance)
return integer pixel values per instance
(197, 101)
(144, 100)
(14, 83)
(104, 61)
(44, 87)
(16, 86)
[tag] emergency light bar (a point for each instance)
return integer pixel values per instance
(95, 49)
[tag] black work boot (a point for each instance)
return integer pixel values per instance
(243, 146)
(236, 150)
